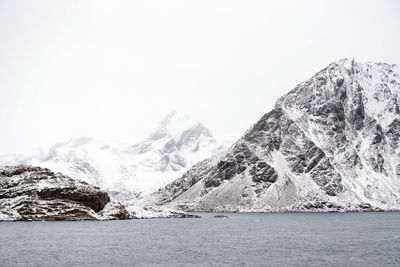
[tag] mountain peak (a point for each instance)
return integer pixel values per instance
(174, 124)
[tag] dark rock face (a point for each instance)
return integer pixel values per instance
(33, 193)
(95, 201)
(262, 172)
(267, 131)
(393, 133)
(332, 143)
(236, 163)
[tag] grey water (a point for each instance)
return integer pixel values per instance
(269, 239)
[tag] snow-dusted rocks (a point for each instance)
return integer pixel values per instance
(332, 143)
(34, 193)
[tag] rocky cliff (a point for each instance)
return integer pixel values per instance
(34, 193)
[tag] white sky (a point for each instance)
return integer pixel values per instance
(110, 69)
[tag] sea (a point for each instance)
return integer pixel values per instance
(241, 239)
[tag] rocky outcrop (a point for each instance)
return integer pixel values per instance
(34, 193)
(330, 144)
(220, 216)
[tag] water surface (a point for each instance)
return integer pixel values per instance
(291, 239)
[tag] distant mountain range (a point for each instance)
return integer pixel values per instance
(330, 144)
(129, 171)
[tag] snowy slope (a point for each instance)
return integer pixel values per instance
(332, 143)
(130, 171)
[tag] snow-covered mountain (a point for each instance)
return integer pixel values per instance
(125, 170)
(332, 143)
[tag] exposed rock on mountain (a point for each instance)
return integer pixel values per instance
(332, 143)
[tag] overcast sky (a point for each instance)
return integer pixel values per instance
(111, 69)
